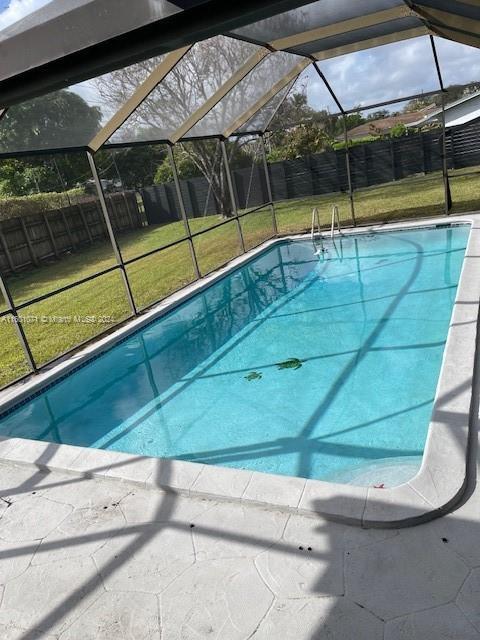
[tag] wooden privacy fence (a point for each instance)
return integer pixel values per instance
(29, 240)
(372, 163)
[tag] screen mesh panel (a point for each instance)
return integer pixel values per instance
(246, 94)
(70, 117)
(384, 73)
(191, 83)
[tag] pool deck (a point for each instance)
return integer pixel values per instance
(96, 559)
(431, 493)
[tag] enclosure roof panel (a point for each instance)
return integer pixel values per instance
(323, 18)
(374, 35)
(196, 80)
(63, 43)
(261, 120)
(250, 95)
(68, 118)
(208, 86)
(329, 25)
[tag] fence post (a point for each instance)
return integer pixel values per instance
(50, 234)
(111, 235)
(365, 164)
(18, 325)
(232, 192)
(452, 145)
(269, 185)
(84, 222)
(127, 207)
(7, 251)
(28, 242)
(67, 229)
(117, 215)
(392, 159)
(422, 149)
(183, 211)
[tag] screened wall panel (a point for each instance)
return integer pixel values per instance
(155, 277)
(414, 197)
(295, 215)
(70, 117)
(204, 183)
(465, 189)
(245, 95)
(51, 225)
(217, 246)
(12, 360)
(257, 227)
(67, 319)
(193, 81)
(147, 169)
(398, 174)
(248, 173)
(461, 76)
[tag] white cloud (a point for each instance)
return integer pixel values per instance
(18, 9)
(394, 71)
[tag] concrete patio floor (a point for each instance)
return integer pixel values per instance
(98, 559)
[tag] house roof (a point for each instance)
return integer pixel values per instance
(382, 126)
(457, 114)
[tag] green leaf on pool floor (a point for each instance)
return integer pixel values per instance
(291, 363)
(254, 375)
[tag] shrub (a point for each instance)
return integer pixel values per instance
(355, 142)
(18, 206)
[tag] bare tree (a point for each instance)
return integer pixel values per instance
(186, 88)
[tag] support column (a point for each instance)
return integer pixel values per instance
(111, 235)
(345, 134)
(269, 185)
(18, 325)
(349, 172)
(231, 191)
(446, 182)
(183, 211)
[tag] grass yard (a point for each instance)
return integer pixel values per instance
(69, 318)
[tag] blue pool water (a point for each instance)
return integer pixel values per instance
(363, 327)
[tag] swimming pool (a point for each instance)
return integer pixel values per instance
(319, 366)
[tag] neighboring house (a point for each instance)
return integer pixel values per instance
(457, 114)
(383, 126)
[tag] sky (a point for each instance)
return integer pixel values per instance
(366, 77)
(392, 71)
(13, 10)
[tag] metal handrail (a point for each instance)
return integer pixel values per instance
(335, 219)
(315, 218)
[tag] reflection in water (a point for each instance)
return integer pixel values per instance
(367, 321)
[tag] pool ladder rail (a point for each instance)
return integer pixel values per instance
(316, 221)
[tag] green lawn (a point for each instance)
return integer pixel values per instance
(69, 318)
